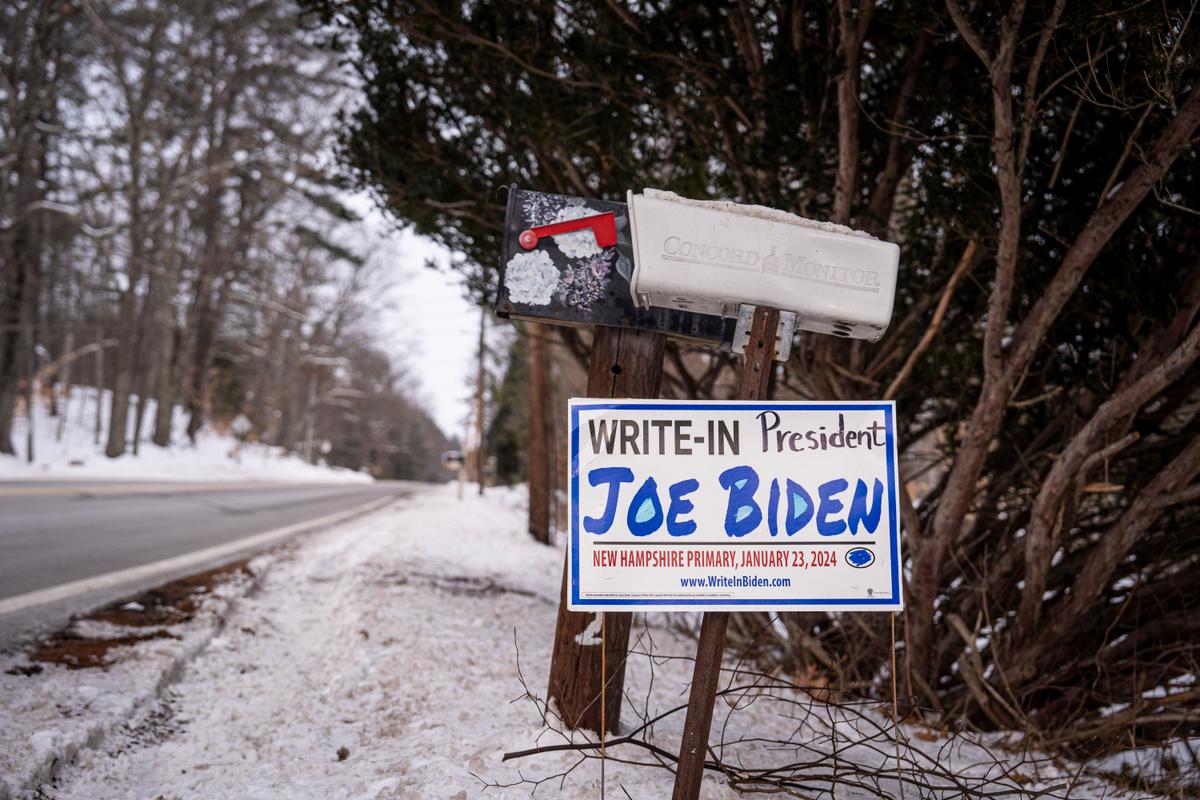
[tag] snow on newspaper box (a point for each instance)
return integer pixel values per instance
(720, 506)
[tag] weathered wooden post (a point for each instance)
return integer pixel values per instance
(538, 451)
(759, 352)
(625, 363)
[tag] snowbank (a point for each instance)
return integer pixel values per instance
(65, 448)
(383, 659)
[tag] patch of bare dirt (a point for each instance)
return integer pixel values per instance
(171, 603)
(157, 608)
(79, 652)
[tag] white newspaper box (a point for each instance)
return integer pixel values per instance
(712, 257)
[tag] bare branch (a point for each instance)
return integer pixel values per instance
(965, 262)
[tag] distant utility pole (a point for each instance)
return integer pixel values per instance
(480, 455)
(464, 472)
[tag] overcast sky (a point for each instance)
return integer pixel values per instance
(437, 328)
(428, 325)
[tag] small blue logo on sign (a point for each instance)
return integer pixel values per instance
(860, 557)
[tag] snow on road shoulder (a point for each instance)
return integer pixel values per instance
(65, 448)
(73, 689)
(380, 661)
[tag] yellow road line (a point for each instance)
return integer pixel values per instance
(153, 488)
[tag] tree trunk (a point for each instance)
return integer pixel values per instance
(139, 415)
(20, 296)
(852, 27)
(11, 310)
(30, 99)
(118, 413)
(625, 363)
(123, 375)
(65, 385)
(1003, 370)
(99, 389)
(30, 371)
(207, 322)
(202, 321)
(168, 380)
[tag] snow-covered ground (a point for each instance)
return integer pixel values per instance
(381, 659)
(65, 448)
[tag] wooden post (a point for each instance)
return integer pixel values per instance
(755, 380)
(538, 451)
(625, 363)
(480, 375)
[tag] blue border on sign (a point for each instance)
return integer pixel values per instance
(893, 532)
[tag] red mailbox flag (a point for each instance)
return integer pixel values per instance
(603, 225)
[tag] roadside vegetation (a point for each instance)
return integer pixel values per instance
(1037, 164)
(172, 233)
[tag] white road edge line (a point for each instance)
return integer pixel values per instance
(109, 580)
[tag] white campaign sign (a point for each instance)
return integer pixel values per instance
(723, 505)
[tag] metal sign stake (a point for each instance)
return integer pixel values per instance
(760, 352)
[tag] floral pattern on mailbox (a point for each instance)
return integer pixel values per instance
(570, 278)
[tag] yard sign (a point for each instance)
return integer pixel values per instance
(733, 506)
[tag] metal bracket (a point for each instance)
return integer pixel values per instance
(783, 334)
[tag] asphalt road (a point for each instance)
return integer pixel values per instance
(58, 538)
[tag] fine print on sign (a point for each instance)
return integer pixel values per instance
(726, 506)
